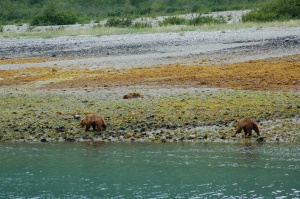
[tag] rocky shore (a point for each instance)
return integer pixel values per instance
(40, 96)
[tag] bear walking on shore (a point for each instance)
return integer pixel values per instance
(247, 125)
(95, 120)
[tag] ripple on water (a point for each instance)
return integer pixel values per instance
(149, 170)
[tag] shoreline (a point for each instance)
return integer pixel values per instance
(38, 105)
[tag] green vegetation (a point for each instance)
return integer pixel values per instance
(173, 21)
(36, 116)
(122, 23)
(280, 10)
(70, 11)
(196, 21)
(206, 20)
(52, 16)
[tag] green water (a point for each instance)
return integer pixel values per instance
(148, 170)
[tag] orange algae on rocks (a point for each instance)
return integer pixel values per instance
(29, 60)
(266, 74)
(32, 75)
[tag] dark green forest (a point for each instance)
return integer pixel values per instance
(49, 12)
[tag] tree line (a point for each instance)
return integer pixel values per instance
(61, 12)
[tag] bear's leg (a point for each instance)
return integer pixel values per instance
(256, 129)
(94, 127)
(249, 132)
(88, 126)
(100, 126)
(245, 131)
(238, 130)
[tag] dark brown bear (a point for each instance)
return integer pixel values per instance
(132, 95)
(247, 125)
(96, 121)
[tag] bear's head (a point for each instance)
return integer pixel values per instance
(83, 122)
(236, 123)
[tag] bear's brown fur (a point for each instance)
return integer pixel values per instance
(95, 120)
(132, 95)
(247, 125)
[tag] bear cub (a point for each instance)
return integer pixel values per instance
(247, 125)
(95, 120)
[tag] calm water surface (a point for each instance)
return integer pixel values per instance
(147, 170)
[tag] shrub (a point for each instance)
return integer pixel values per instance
(58, 18)
(53, 16)
(258, 16)
(280, 10)
(121, 23)
(142, 25)
(173, 21)
(200, 20)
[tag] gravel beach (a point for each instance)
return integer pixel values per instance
(135, 50)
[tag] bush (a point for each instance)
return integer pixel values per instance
(200, 20)
(58, 18)
(173, 21)
(142, 25)
(121, 23)
(280, 10)
(53, 16)
(258, 16)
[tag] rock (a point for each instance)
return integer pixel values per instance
(60, 129)
(260, 139)
(192, 136)
(127, 135)
(70, 140)
(138, 135)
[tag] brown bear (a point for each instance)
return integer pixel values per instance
(132, 95)
(247, 125)
(95, 120)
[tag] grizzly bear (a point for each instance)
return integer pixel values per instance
(132, 95)
(96, 121)
(247, 125)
